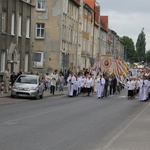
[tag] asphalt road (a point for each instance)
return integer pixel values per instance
(63, 123)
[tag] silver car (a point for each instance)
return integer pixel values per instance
(28, 86)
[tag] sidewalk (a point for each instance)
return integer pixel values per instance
(135, 135)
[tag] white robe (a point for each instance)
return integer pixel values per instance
(71, 80)
(89, 83)
(76, 86)
(143, 93)
(79, 84)
(95, 85)
(100, 87)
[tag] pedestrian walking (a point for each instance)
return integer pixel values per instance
(54, 79)
(6, 78)
(56, 76)
(143, 93)
(70, 80)
(88, 84)
(95, 84)
(106, 77)
(101, 84)
(75, 91)
(83, 87)
(130, 88)
(13, 78)
(48, 81)
(61, 80)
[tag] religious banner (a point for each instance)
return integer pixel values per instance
(119, 67)
(107, 64)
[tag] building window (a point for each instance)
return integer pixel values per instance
(4, 21)
(38, 58)
(40, 30)
(41, 4)
(13, 24)
(28, 28)
(20, 25)
(26, 62)
(3, 59)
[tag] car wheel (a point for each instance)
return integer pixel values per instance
(41, 96)
(37, 95)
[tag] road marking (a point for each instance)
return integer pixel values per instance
(10, 123)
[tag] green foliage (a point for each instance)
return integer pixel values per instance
(130, 53)
(147, 57)
(140, 45)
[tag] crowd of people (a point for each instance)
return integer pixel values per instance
(91, 81)
(136, 81)
(87, 81)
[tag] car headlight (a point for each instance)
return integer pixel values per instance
(14, 87)
(33, 88)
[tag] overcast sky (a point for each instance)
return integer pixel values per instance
(128, 17)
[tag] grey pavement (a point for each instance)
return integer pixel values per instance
(134, 136)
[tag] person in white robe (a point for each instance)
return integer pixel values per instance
(100, 86)
(79, 83)
(143, 93)
(53, 79)
(95, 84)
(148, 87)
(130, 87)
(88, 85)
(134, 86)
(137, 81)
(48, 81)
(71, 79)
(75, 92)
(83, 83)
(6, 78)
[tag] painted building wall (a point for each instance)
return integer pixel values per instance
(71, 30)
(15, 48)
(47, 45)
(60, 45)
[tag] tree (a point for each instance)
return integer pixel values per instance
(130, 52)
(148, 57)
(140, 46)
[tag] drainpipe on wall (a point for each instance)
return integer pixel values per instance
(77, 40)
(30, 61)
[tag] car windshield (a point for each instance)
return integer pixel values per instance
(27, 79)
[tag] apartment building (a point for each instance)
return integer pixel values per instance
(115, 45)
(92, 32)
(56, 43)
(71, 35)
(87, 34)
(104, 49)
(96, 32)
(16, 35)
